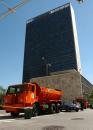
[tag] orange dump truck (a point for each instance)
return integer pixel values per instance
(31, 99)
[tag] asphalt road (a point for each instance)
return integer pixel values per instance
(82, 120)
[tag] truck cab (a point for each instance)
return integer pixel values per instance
(18, 97)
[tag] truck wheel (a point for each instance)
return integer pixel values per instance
(36, 111)
(14, 115)
(57, 108)
(27, 113)
(52, 108)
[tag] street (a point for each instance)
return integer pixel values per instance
(82, 120)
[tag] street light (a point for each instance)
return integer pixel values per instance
(47, 68)
(47, 65)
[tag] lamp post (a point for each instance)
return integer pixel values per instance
(47, 65)
(47, 68)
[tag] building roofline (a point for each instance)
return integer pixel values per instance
(50, 12)
(86, 80)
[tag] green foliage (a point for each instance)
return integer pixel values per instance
(91, 95)
(1, 98)
(90, 98)
(2, 90)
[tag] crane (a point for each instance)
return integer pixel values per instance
(13, 9)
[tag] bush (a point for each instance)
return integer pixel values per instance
(1, 96)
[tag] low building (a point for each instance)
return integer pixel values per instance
(71, 82)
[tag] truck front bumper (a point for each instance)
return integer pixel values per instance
(9, 108)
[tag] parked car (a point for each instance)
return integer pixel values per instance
(70, 107)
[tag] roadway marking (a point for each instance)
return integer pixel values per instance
(6, 120)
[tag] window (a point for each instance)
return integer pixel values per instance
(15, 89)
(11, 90)
(33, 88)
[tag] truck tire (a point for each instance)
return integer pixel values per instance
(57, 108)
(14, 115)
(27, 113)
(52, 109)
(36, 110)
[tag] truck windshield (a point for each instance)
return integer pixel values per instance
(15, 89)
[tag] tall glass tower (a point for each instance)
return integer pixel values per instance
(51, 43)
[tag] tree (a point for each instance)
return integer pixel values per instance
(2, 90)
(91, 95)
(90, 98)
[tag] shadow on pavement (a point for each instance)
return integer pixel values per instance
(5, 117)
(53, 128)
(21, 116)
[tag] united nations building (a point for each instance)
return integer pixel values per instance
(51, 55)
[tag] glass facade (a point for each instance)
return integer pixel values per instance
(49, 44)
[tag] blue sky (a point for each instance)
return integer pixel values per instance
(12, 37)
